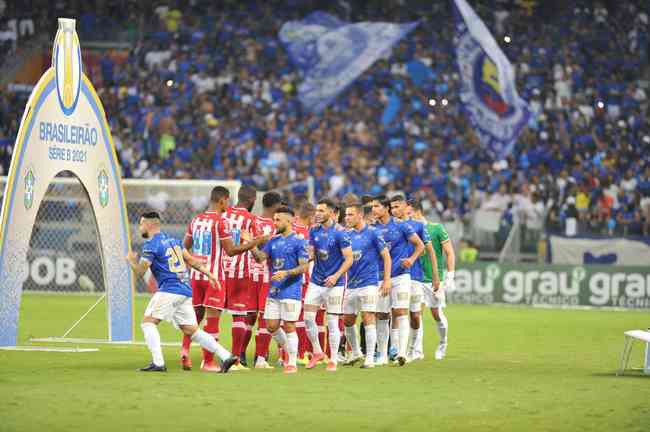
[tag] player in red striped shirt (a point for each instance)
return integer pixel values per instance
(261, 279)
(208, 237)
(240, 292)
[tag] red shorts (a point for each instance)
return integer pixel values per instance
(240, 296)
(204, 294)
(261, 292)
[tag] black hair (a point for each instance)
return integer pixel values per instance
(365, 199)
(383, 200)
(398, 198)
(247, 194)
(415, 204)
(151, 215)
(271, 199)
(329, 203)
(306, 209)
(286, 210)
(218, 193)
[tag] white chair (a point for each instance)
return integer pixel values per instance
(630, 336)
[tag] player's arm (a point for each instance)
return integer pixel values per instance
(303, 265)
(188, 242)
(199, 266)
(415, 240)
(386, 284)
(348, 259)
(232, 249)
(434, 266)
(448, 250)
(139, 267)
(260, 256)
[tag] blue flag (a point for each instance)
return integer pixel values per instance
(488, 91)
(330, 54)
(392, 108)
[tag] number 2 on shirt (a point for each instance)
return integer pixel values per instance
(175, 260)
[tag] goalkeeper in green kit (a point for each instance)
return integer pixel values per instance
(435, 300)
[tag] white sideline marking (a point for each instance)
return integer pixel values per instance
(48, 349)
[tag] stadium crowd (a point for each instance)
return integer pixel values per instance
(209, 92)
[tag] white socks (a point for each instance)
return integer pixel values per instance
(281, 338)
(371, 340)
(312, 331)
(413, 338)
(403, 331)
(394, 335)
(334, 336)
(292, 347)
(353, 340)
(417, 346)
(208, 342)
(442, 326)
(152, 338)
(383, 327)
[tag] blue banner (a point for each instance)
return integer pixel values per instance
(488, 90)
(330, 54)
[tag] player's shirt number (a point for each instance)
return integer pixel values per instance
(175, 259)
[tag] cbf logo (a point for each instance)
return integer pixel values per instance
(66, 61)
(278, 263)
(102, 184)
(323, 254)
(29, 188)
(356, 255)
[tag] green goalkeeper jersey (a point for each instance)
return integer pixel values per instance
(438, 235)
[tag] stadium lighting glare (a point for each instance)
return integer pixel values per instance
(601, 105)
(170, 83)
(445, 102)
(432, 102)
(507, 39)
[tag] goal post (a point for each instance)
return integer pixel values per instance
(64, 129)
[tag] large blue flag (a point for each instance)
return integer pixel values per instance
(488, 91)
(330, 54)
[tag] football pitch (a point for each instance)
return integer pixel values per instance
(507, 369)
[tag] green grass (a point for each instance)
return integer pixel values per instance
(507, 369)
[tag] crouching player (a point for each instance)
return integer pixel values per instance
(368, 251)
(288, 259)
(167, 260)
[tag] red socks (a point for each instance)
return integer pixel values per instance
(238, 333)
(262, 339)
(212, 328)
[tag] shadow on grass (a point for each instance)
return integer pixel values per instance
(629, 373)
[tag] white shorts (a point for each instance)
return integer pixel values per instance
(434, 299)
(400, 293)
(175, 308)
(417, 296)
(285, 310)
(332, 298)
(362, 299)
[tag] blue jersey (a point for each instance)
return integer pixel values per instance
(396, 235)
(284, 253)
(367, 246)
(328, 244)
(165, 254)
(417, 272)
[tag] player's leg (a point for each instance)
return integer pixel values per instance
(272, 313)
(313, 300)
(263, 337)
(198, 295)
(400, 303)
(303, 344)
(415, 319)
(213, 304)
(251, 317)
(368, 307)
(158, 309)
(350, 310)
(185, 319)
(383, 328)
(443, 327)
(334, 311)
(290, 311)
(237, 304)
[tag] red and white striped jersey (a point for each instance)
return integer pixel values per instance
(239, 219)
(260, 271)
(302, 231)
(207, 230)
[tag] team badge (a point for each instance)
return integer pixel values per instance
(29, 189)
(102, 184)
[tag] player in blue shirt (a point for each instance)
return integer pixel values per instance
(168, 262)
(330, 246)
(399, 237)
(288, 260)
(403, 210)
(369, 251)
